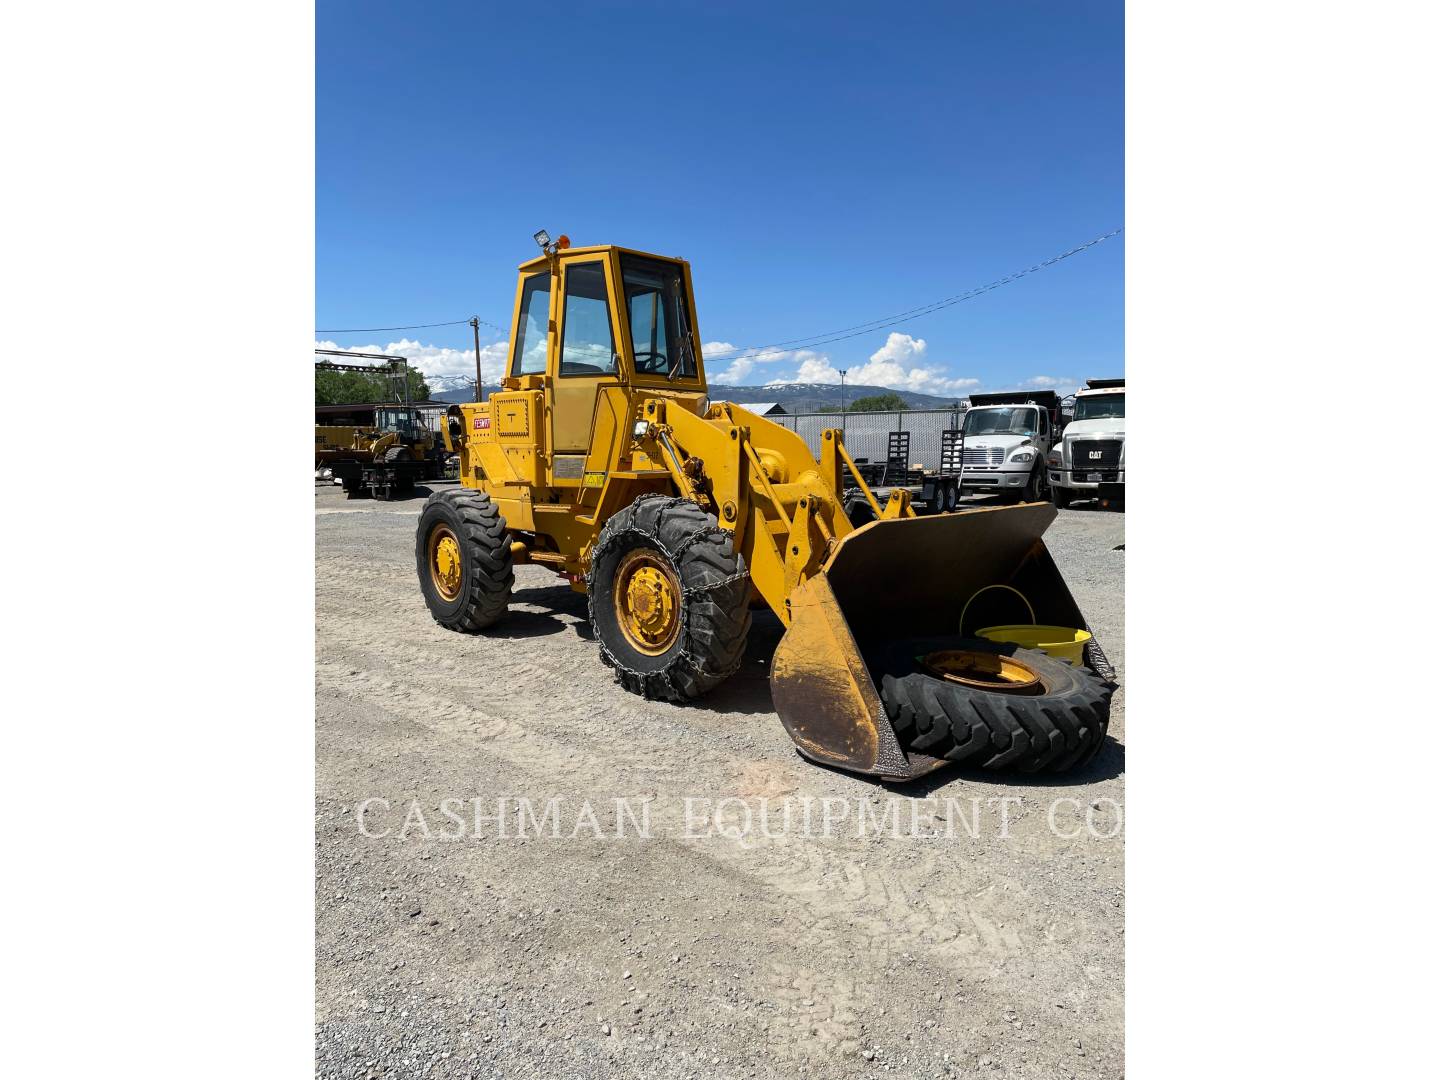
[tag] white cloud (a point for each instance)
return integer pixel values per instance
(814, 368)
(898, 364)
(740, 369)
(446, 369)
(734, 375)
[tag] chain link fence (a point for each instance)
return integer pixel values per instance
(866, 433)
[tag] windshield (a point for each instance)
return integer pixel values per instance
(1093, 408)
(659, 318)
(402, 420)
(1019, 420)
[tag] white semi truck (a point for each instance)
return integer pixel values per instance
(1088, 462)
(1005, 441)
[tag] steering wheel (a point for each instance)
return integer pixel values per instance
(658, 361)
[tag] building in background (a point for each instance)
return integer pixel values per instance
(762, 408)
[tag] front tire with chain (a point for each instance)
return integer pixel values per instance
(1055, 730)
(669, 599)
(463, 557)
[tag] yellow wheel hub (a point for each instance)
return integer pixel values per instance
(445, 562)
(647, 601)
(995, 672)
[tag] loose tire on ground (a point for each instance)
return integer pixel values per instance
(669, 599)
(1050, 732)
(466, 581)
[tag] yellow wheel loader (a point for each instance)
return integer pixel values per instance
(601, 459)
(384, 460)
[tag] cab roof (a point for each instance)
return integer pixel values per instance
(541, 261)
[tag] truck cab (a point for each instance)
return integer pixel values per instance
(1089, 461)
(1005, 440)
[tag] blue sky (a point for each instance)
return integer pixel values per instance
(820, 165)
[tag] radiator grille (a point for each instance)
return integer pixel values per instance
(993, 456)
(1095, 453)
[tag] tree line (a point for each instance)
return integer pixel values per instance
(356, 387)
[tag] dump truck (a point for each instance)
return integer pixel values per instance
(1089, 460)
(1005, 440)
(601, 459)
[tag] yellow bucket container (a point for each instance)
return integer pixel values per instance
(1061, 642)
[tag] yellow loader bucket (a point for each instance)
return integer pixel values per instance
(889, 580)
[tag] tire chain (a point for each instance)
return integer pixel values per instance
(686, 655)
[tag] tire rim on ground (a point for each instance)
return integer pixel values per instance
(445, 562)
(647, 601)
(994, 672)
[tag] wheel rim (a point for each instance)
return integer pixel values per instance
(994, 672)
(647, 601)
(445, 562)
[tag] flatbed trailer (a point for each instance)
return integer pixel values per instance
(931, 491)
(385, 479)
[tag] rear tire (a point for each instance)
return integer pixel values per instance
(690, 639)
(1049, 732)
(467, 581)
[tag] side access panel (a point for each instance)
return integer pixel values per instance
(507, 434)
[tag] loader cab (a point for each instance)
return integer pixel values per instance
(405, 422)
(592, 326)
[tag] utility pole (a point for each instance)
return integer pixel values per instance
(843, 373)
(479, 375)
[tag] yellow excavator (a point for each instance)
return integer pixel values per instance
(600, 458)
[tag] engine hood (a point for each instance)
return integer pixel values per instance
(1111, 426)
(996, 442)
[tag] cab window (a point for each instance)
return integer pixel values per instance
(533, 327)
(587, 344)
(1098, 406)
(1018, 420)
(656, 305)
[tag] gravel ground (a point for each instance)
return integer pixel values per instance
(995, 951)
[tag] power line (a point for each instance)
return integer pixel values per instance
(887, 321)
(417, 326)
(828, 337)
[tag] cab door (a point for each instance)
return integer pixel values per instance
(585, 360)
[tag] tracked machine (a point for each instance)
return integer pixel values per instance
(601, 459)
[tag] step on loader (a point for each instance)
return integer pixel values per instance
(602, 459)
